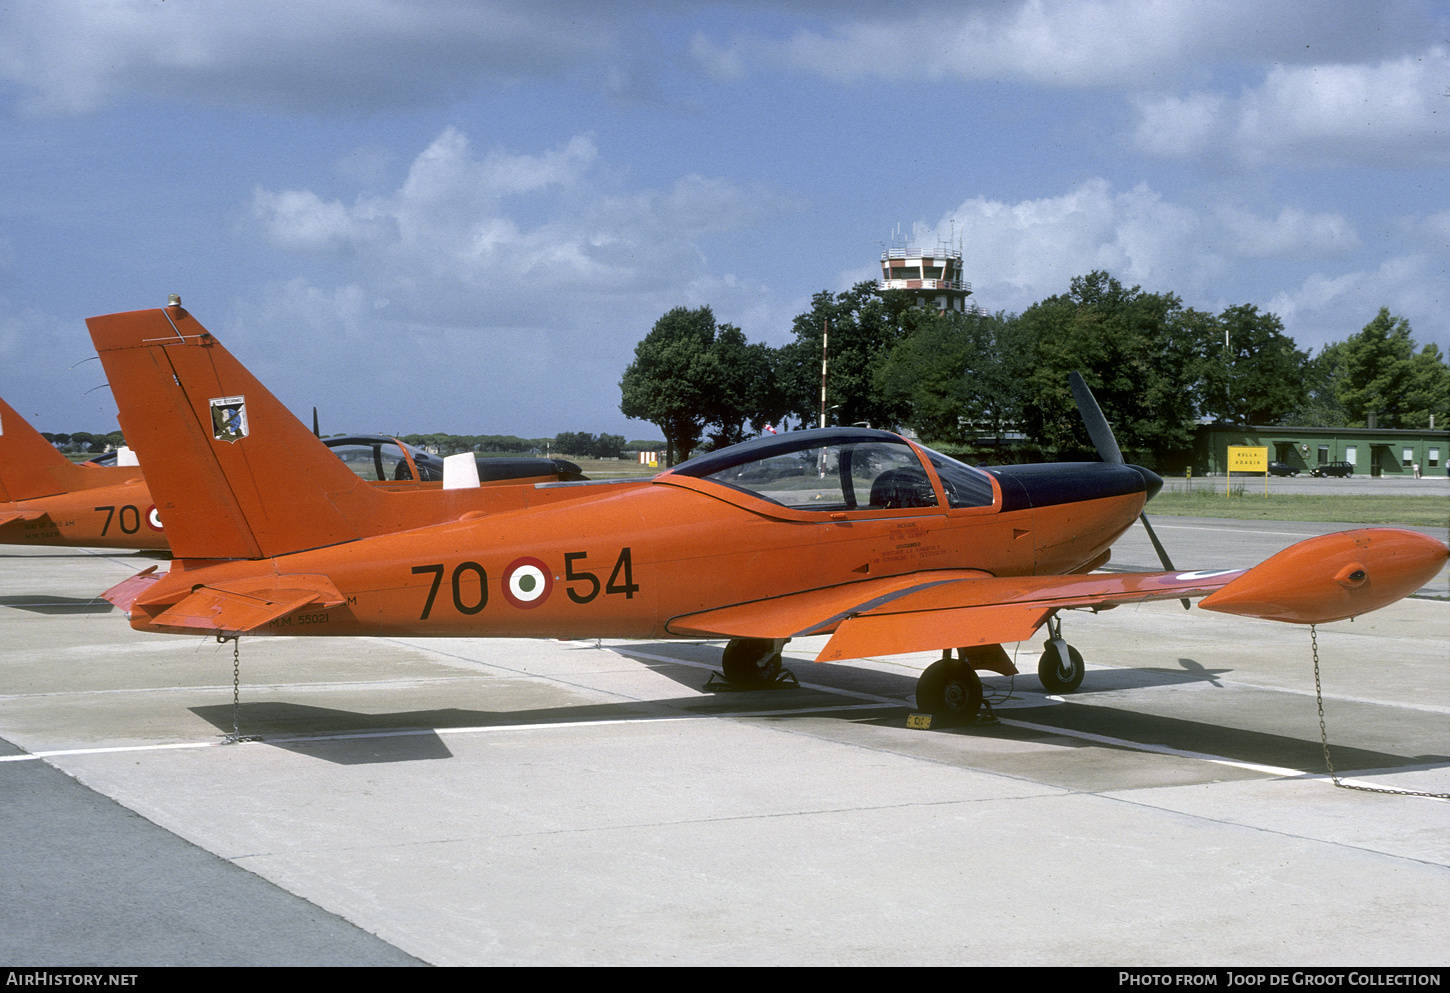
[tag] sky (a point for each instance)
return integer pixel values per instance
(455, 216)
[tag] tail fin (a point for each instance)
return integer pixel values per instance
(232, 472)
(30, 467)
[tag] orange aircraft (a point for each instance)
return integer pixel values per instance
(885, 545)
(45, 499)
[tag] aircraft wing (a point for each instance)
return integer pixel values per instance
(932, 610)
(1327, 578)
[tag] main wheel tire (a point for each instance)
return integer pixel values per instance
(949, 688)
(1056, 679)
(751, 662)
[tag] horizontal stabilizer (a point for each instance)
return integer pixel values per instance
(6, 516)
(1334, 576)
(217, 610)
(232, 607)
(124, 593)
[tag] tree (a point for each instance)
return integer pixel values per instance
(1429, 392)
(1258, 377)
(608, 446)
(84, 441)
(950, 373)
(746, 393)
(863, 329)
(1137, 351)
(688, 374)
(1379, 373)
(1322, 373)
(579, 443)
(669, 381)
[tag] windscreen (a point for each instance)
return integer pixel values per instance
(866, 475)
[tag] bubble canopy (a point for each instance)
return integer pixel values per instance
(843, 469)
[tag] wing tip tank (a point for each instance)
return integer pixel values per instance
(1334, 576)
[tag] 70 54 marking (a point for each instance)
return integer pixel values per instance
(469, 583)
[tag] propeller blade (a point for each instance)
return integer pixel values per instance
(1094, 421)
(315, 428)
(1157, 545)
(1108, 450)
(1162, 552)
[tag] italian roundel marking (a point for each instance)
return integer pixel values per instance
(153, 519)
(527, 583)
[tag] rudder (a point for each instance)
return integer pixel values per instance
(232, 472)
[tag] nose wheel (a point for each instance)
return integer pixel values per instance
(949, 687)
(1061, 667)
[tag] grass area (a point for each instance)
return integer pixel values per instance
(612, 468)
(1413, 511)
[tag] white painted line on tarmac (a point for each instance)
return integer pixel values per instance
(441, 732)
(1270, 770)
(1200, 527)
(104, 751)
(872, 702)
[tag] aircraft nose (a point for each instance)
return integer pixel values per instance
(1151, 480)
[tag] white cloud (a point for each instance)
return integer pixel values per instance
(1088, 43)
(1390, 113)
(77, 56)
(1180, 128)
(1016, 254)
(1324, 308)
(1293, 234)
(299, 219)
(722, 61)
(454, 229)
(1381, 113)
(1433, 232)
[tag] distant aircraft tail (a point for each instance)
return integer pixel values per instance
(232, 472)
(30, 466)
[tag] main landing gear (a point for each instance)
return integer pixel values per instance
(950, 687)
(1061, 667)
(752, 662)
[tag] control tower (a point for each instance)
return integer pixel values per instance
(934, 277)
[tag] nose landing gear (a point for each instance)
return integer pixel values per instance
(1061, 667)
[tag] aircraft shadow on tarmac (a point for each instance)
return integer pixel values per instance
(42, 604)
(902, 685)
(81, 553)
(1303, 752)
(357, 738)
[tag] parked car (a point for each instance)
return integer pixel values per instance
(1333, 469)
(1283, 469)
